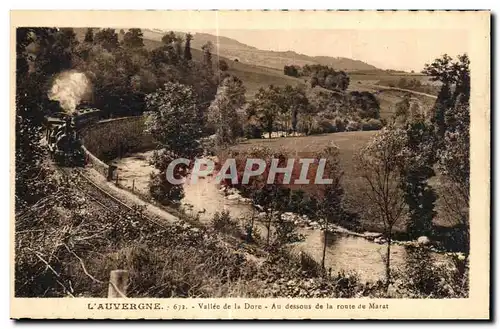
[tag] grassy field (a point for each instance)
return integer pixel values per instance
(349, 144)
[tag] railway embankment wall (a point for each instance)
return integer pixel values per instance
(113, 138)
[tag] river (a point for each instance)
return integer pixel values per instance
(344, 252)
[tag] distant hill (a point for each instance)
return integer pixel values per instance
(255, 70)
(234, 49)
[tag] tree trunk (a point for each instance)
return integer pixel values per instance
(324, 248)
(388, 263)
(268, 227)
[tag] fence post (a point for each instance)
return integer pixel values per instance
(118, 282)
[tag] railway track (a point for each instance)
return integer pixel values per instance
(98, 195)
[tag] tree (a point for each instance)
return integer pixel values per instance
(169, 38)
(187, 47)
(365, 104)
(207, 54)
(416, 171)
(266, 107)
(223, 112)
(223, 65)
(89, 35)
(133, 39)
(452, 121)
(295, 102)
(291, 70)
(329, 202)
(454, 165)
(172, 121)
(40, 53)
(443, 103)
(452, 74)
(402, 112)
(107, 38)
(379, 164)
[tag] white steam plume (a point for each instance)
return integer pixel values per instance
(69, 89)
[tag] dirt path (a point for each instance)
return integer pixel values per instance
(404, 90)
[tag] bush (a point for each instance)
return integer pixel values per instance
(286, 232)
(353, 126)
(422, 277)
(372, 124)
(253, 131)
(223, 65)
(222, 222)
(163, 191)
(340, 124)
(326, 126)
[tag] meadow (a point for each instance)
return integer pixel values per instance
(349, 144)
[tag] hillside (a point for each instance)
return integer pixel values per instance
(254, 69)
(252, 76)
(234, 49)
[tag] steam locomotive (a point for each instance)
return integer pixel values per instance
(62, 134)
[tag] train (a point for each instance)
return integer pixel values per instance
(62, 135)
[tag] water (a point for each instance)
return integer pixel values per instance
(344, 252)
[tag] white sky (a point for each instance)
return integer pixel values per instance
(401, 49)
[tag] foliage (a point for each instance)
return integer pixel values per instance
(364, 104)
(89, 35)
(379, 163)
(222, 222)
(329, 203)
(371, 124)
(187, 47)
(107, 38)
(223, 65)
(40, 54)
(452, 122)
(420, 196)
(421, 277)
(265, 107)
(172, 119)
(223, 112)
(133, 39)
(291, 70)
(454, 165)
(326, 77)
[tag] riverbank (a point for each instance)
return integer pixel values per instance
(349, 251)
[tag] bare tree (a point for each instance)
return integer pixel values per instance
(379, 163)
(329, 202)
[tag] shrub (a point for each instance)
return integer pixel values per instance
(326, 126)
(353, 126)
(372, 124)
(163, 191)
(340, 124)
(253, 131)
(422, 277)
(223, 65)
(286, 232)
(223, 222)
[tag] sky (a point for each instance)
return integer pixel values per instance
(402, 49)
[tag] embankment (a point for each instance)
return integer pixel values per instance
(109, 139)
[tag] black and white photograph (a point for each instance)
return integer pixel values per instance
(198, 162)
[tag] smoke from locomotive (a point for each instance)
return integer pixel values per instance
(69, 89)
